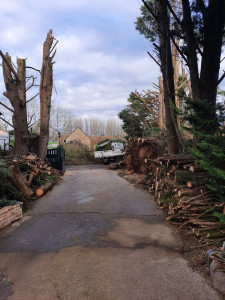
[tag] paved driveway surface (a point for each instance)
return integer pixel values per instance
(97, 237)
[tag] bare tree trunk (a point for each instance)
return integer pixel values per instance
(176, 62)
(167, 72)
(15, 83)
(161, 106)
(45, 94)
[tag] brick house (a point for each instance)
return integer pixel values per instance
(78, 136)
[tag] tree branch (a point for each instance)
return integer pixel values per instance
(53, 47)
(203, 10)
(33, 69)
(174, 15)
(32, 84)
(6, 122)
(178, 49)
(222, 59)
(30, 119)
(9, 65)
(149, 9)
(29, 126)
(221, 78)
(32, 98)
(154, 59)
(7, 107)
(156, 46)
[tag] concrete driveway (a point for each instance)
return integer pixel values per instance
(95, 237)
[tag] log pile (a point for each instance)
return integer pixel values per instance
(180, 187)
(28, 173)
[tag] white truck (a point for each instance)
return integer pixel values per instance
(106, 155)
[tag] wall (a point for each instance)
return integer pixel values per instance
(79, 136)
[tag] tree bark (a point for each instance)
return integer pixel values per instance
(168, 75)
(204, 85)
(45, 94)
(19, 181)
(210, 66)
(191, 49)
(161, 106)
(15, 83)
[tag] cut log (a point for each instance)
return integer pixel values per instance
(44, 189)
(185, 192)
(31, 178)
(202, 195)
(199, 183)
(196, 169)
(19, 180)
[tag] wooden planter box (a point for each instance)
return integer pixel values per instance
(10, 214)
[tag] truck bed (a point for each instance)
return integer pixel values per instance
(108, 153)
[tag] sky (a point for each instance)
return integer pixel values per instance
(100, 57)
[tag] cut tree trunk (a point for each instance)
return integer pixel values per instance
(44, 189)
(45, 94)
(15, 83)
(19, 180)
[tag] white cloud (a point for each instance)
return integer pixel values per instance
(93, 75)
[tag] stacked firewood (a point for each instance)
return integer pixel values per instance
(31, 175)
(180, 186)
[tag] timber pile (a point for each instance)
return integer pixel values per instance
(138, 153)
(180, 187)
(29, 175)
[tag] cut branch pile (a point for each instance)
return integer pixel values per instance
(180, 186)
(28, 176)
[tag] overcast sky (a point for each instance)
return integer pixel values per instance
(100, 56)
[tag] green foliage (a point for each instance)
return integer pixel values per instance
(8, 193)
(131, 123)
(220, 216)
(99, 143)
(140, 115)
(108, 146)
(146, 24)
(203, 118)
(182, 176)
(4, 172)
(210, 152)
(210, 148)
(6, 202)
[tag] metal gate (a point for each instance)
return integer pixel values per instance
(56, 158)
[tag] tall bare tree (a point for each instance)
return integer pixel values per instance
(15, 83)
(46, 86)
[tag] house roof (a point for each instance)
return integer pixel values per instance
(73, 137)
